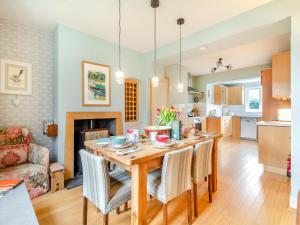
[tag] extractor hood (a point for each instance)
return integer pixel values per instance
(191, 89)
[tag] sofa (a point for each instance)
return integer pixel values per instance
(21, 158)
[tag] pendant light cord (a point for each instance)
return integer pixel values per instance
(120, 35)
(180, 55)
(155, 42)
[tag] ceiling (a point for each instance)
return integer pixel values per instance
(99, 17)
(250, 54)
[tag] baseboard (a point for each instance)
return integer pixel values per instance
(276, 170)
(293, 202)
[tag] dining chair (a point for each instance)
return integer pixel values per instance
(172, 180)
(107, 191)
(202, 169)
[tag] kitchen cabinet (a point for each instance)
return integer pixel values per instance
(235, 95)
(274, 143)
(281, 77)
(270, 104)
(220, 95)
(221, 125)
(236, 127)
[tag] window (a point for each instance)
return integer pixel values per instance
(131, 100)
(253, 99)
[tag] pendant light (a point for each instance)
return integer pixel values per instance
(155, 78)
(180, 86)
(119, 75)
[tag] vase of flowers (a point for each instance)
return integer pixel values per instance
(166, 116)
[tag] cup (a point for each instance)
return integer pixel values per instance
(119, 140)
(153, 135)
(133, 135)
(163, 138)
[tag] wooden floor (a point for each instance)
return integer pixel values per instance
(246, 196)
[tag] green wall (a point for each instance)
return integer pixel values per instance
(71, 48)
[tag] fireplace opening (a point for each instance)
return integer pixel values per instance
(81, 126)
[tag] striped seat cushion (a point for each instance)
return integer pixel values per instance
(120, 192)
(154, 186)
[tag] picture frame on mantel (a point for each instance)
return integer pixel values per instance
(96, 86)
(15, 78)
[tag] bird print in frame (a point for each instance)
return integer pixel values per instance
(15, 78)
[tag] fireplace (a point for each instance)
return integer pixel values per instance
(79, 121)
(103, 128)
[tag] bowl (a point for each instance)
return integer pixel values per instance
(162, 138)
(159, 129)
(119, 140)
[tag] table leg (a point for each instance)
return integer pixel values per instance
(214, 175)
(139, 194)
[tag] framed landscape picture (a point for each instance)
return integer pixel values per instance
(15, 78)
(95, 84)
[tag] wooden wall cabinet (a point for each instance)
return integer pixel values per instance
(220, 95)
(235, 95)
(281, 77)
(270, 104)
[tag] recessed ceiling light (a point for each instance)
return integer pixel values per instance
(202, 48)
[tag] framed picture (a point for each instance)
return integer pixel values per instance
(95, 84)
(15, 78)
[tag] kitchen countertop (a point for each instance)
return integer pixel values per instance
(248, 116)
(274, 123)
(220, 116)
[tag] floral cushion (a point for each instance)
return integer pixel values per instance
(14, 136)
(35, 177)
(38, 154)
(13, 155)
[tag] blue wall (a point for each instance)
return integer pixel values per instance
(71, 48)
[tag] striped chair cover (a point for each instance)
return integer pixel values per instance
(174, 178)
(202, 166)
(98, 187)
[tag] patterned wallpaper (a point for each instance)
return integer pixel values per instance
(25, 44)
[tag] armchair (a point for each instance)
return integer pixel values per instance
(20, 158)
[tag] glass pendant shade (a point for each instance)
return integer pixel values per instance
(120, 77)
(180, 87)
(155, 81)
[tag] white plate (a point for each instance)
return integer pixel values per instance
(195, 137)
(103, 143)
(126, 145)
(163, 145)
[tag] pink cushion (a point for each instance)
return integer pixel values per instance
(14, 136)
(13, 155)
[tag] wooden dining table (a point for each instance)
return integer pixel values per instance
(149, 158)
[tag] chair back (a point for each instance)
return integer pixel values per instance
(94, 134)
(96, 181)
(176, 172)
(202, 165)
